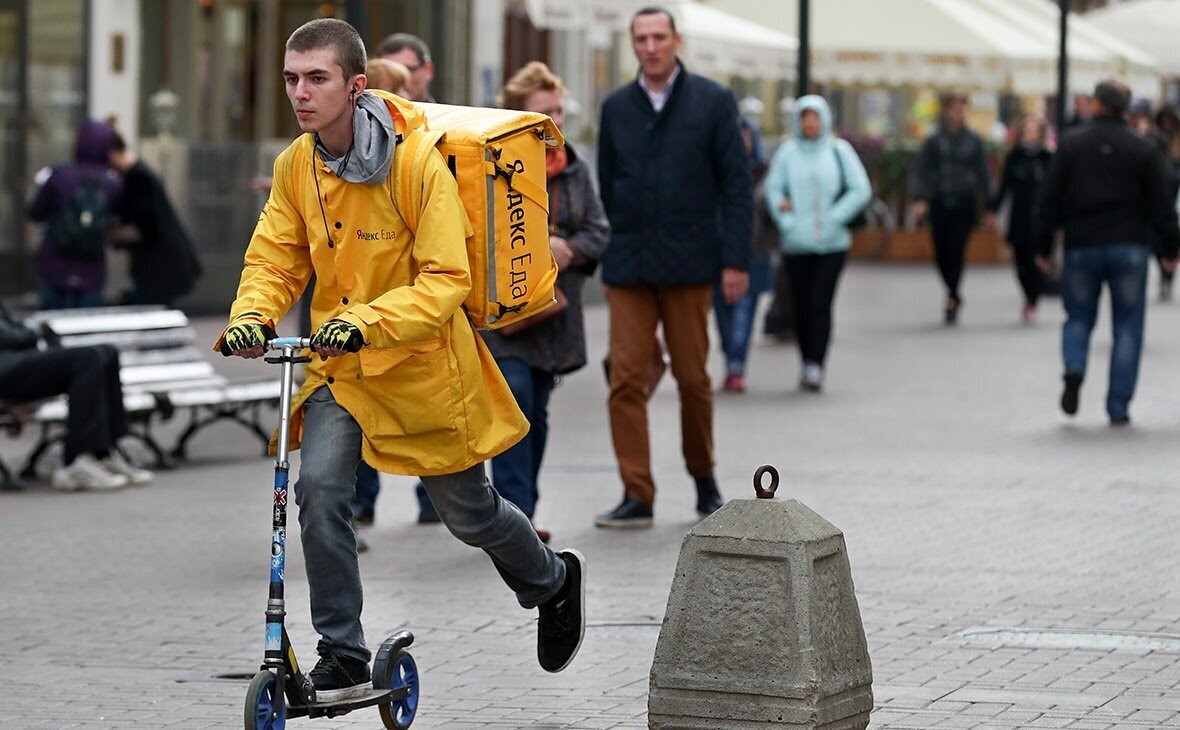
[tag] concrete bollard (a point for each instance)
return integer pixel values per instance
(762, 628)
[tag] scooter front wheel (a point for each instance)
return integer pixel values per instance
(400, 673)
(261, 701)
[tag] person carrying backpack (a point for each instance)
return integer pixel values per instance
(423, 396)
(76, 203)
(815, 188)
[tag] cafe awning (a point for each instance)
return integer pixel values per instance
(715, 42)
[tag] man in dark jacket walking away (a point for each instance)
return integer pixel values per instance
(164, 265)
(675, 183)
(1105, 186)
(951, 182)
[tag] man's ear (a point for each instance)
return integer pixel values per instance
(359, 83)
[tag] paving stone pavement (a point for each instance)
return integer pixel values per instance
(1015, 569)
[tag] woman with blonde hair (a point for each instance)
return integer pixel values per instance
(532, 359)
(388, 76)
(1024, 169)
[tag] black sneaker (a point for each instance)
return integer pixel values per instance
(337, 677)
(562, 623)
(951, 310)
(630, 513)
(1069, 396)
(708, 496)
(1123, 420)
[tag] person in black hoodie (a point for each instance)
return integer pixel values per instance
(1024, 170)
(164, 265)
(1105, 187)
(950, 183)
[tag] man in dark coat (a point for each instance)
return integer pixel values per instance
(676, 186)
(1105, 188)
(164, 265)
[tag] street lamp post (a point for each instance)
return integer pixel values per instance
(1062, 66)
(804, 47)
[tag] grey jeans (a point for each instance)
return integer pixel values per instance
(466, 502)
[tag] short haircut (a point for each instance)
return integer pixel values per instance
(1114, 96)
(386, 75)
(400, 41)
(653, 10)
(533, 76)
(953, 96)
(118, 144)
(335, 34)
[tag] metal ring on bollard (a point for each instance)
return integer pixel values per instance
(765, 492)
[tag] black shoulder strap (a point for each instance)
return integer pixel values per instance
(840, 167)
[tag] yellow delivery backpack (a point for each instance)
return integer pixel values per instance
(498, 158)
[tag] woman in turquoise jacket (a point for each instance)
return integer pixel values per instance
(815, 187)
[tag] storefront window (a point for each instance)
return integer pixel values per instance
(56, 79)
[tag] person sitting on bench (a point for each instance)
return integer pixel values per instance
(89, 377)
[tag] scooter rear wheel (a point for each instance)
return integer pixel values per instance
(399, 673)
(260, 703)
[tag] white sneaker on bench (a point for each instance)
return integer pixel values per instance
(116, 464)
(85, 472)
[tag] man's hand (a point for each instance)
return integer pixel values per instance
(918, 210)
(1168, 265)
(335, 338)
(1044, 265)
(785, 206)
(563, 252)
(734, 284)
(246, 340)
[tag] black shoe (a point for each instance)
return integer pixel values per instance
(708, 496)
(630, 513)
(951, 312)
(1123, 420)
(562, 623)
(1069, 397)
(337, 677)
(364, 518)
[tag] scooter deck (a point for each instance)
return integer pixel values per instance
(341, 707)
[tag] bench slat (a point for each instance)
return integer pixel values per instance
(116, 322)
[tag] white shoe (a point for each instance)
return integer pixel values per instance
(813, 377)
(116, 464)
(85, 472)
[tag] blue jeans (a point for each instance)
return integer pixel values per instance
(1123, 268)
(468, 505)
(53, 297)
(514, 472)
(735, 322)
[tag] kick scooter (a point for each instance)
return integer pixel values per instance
(280, 690)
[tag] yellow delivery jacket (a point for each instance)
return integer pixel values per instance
(425, 390)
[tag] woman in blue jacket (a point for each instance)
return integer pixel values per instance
(815, 187)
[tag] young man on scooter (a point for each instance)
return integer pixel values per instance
(423, 396)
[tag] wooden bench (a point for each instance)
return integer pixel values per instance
(163, 371)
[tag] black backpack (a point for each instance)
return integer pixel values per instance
(79, 228)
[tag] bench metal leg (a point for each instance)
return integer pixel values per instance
(29, 470)
(8, 481)
(218, 413)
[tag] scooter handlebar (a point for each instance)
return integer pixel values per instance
(299, 343)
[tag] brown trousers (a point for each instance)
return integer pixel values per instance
(635, 311)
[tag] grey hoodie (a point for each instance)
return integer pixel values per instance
(373, 140)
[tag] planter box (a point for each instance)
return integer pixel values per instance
(984, 247)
